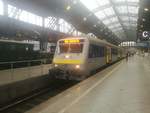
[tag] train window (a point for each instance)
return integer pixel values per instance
(27, 48)
(12, 47)
(96, 51)
(71, 48)
(1, 47)
(76, 48)
(64, 48)
(114, 51)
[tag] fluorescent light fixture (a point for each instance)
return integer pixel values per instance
(94, 25)
(146, 9)
(84, 19)
(68, 7)
(143, 19)
(74, 2)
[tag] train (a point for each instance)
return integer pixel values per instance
(76, 58)
(18, 51)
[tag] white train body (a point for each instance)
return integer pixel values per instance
(77, 57)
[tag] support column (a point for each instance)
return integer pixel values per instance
(57, 24)
(5, 8)
(43, 22)
(43, 45)
(43, 38)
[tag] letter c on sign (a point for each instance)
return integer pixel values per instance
(145, 34)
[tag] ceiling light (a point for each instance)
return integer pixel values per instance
(143, 19)
(99, 22)
(74, 2)
(68, 7)
(85, 19)
(94, 25)
(146, 9)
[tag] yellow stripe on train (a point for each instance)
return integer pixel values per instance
(67, 61)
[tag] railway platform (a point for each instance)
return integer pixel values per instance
(18, 82)
(18, 74)
(121, 88)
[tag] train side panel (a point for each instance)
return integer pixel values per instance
(95, 57)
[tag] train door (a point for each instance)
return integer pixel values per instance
(119, 54)
(108, 55)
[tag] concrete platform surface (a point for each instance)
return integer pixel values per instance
(18, 74)
(121, 88)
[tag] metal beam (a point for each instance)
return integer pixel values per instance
(5, 8)
(123, 14)
(131, 22)
(119, 19)
(133, 4)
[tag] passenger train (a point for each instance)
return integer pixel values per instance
(20, 53)
(76, 57)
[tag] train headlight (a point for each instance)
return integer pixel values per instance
(77, 66)
(55, 65)
(67, 56)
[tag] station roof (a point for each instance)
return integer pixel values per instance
(119, 15)
(114, 20)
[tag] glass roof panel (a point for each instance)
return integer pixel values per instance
(1, 7)
(115, 25)
(117, 29)
(100, 14)
(107, 21)
(114, 19)
(122, 9)
(119, 0)
(102, 2)
(125, 18)
(109, 11)
(137, 1)
(126, 24)
(115, 16)
(133, 9)
(133, 19)
(91, 4)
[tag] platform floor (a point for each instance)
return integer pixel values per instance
(18, 74)
(121, 88)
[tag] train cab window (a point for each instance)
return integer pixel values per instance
(76, 48)
(71, 48)
(63, 48)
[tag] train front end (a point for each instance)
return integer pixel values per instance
(69, 58)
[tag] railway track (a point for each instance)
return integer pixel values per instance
(37, 98)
